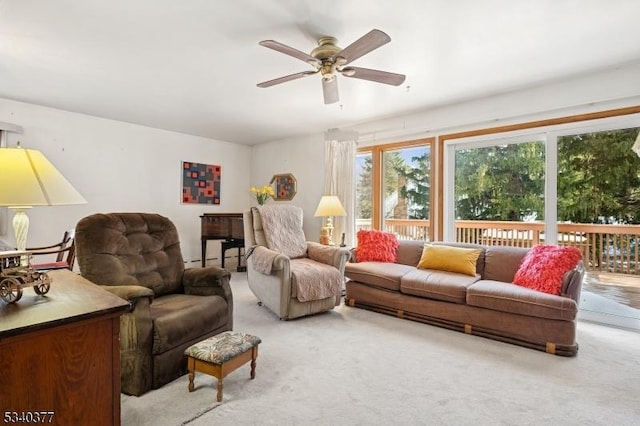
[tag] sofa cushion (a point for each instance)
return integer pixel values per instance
(376, 246)
(544, 267)
(409, 252)
(440, 285)
(452, 259)
(512, 298)
(180, 318)
(378, 274)
(502, 262)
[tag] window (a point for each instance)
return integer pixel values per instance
(394, 189)
(496, 189)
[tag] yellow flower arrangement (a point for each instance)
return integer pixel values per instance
(263, 193)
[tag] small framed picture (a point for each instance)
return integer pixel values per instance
(200, 183)
(285, 188)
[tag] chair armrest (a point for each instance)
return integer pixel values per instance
(130, 293)
(208, 281)
(263, 256)
(136, 338)
(52, 246)
(335, 256)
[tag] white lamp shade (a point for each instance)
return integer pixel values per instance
(27, 178)
(330, 205)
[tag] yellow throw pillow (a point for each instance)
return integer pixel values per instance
(452, 259)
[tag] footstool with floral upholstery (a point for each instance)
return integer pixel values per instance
(220, 355)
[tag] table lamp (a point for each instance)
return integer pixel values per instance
(328, 207)
(28, 179)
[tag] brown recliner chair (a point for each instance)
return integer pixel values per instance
(137, 257)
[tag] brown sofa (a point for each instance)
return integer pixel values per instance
(137, 257)
(487, 304)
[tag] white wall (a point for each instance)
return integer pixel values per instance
(304, 158)
(609, 89)
(118, 166)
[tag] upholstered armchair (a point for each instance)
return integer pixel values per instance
(289, 275)
(137, 257)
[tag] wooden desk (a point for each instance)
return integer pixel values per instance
(60, 353)
(223, 226)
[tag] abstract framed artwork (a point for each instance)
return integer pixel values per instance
(286, 187)
(200, 183)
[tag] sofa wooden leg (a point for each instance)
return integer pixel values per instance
(551, 348)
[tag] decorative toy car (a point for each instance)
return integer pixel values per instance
(14, 275)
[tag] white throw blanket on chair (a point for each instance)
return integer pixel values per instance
(283, 229)
(262, 259)
(314, 280)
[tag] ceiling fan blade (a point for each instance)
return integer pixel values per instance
(365, 44)
(330, 90)
(374, 75)
(283, 48)
(286, 78)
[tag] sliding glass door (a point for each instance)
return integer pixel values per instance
(574, 185)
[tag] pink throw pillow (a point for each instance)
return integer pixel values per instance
(376, 246)
(544, 267)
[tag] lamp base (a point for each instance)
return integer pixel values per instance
(326, 235)
(21, 228)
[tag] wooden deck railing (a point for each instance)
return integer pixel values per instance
(605, 248)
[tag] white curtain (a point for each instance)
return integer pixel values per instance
(339, 179)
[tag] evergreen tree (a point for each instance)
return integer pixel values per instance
(598, 178)
(417, 187)
(503, 182)
(364, 188)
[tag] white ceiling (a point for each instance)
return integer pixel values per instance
(192, 66)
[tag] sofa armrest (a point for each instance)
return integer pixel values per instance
(335, 256)
(352, 255)
(572, 283)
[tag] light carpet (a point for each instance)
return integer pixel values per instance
(355, 367)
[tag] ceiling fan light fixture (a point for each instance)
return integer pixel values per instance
(349, 72)
(328, 59)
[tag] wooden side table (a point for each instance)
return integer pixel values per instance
(62, 354)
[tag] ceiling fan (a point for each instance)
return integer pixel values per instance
(328, 59)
